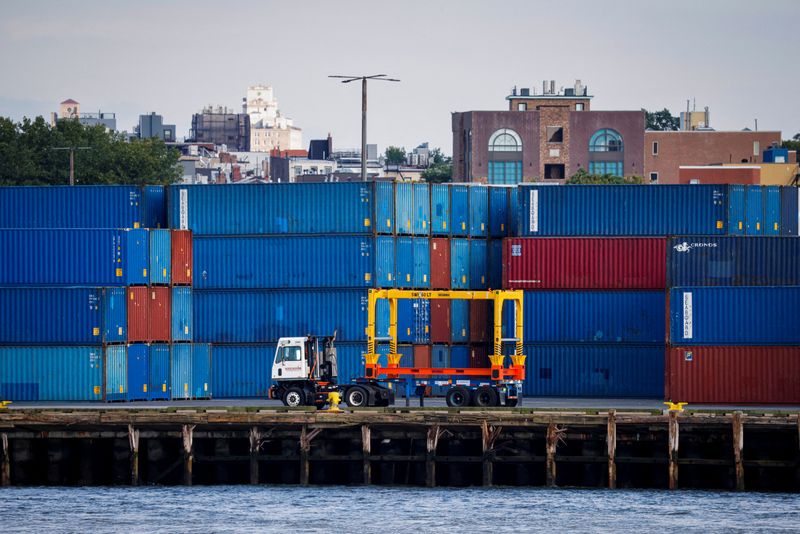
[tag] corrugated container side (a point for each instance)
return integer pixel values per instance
(736, 210)
(594, 371)
(82, 206)
(137, 256)
(182, 260)
(440, 321)
(733, 261)
(422, 209)
(115, 316)
(154, 207)
(735, 375)
(384, 261)
(137, 312)
(734, 315)
(242, 370)
(404, 208)
(479, 323)
(116, 371)
(160, 257)
(158, 372)
(459, 319)
(498, 211)
(459, 356)
(790, 210)
(772, 210)
(478, 357)
(622, 210)
(201, 371)
(440, 263)
(137, 360)
(181, 314)
(478, 210)
(236, 209)
(404, 261)
(478, 264)
(495, 263)
(54, 316)
(440, 209)
(262, 316)
(51, 373)
(422, 356)
(159, 321)
(459, 264)
(180, 371)
(422, 262)
(459, 210)
(384, 207)
(513, 211)
(440, 356)
(584, 263)
(754, 210)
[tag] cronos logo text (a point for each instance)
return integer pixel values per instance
(686, 247)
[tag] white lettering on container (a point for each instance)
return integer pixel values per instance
(184, 209)
(687, 315)
(534, 211)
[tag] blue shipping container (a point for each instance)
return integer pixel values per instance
(201, 370)
(115, 315)
(242, 370)
(181, 311)
(180, 371)
(413, 321)
(404, 208)
(154, 202)
(422, 262)
(627, 210)
(459, 264)
(495, 264)
(116, 371)
(160, 256)
(440, 209)
(733, 261)
(51, 316)
(73, 257)
(51, 373)
(138, 371)
(459, 356)
(422, 209)
(498, 210)
(459, 210)
(478, 264)
(404, 262)
(736, 209)
(158, 372)
(384, 207)
(440, 356)
(513, 220)
(478, 211)
(772, 210)
(754, 210)
(790, 210)
(594, 371)
(734, 315)
(459, 321)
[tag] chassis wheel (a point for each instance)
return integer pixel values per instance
(458, 397)
(294, 397)
(485, 397)
(356, 397)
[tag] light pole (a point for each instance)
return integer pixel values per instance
(72, 150)
(348, 79)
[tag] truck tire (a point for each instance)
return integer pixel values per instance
(294, 397)
(356, 397)
(485, 397)
(458, 397)
(511, 403)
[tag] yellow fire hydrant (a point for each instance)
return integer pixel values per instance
(675, 406)
(4, 404)
(333, 400)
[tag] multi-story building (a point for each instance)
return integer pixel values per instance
(71, 109)
(152, 125)
(221, 126)
(546, 137)
(268, 128)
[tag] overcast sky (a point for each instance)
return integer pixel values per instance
(173, 57)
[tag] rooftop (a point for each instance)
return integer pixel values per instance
(549, 92)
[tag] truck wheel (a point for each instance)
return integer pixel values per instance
(294, 397)
(457, 397)
(356, 397)
(485, 396)
(511, 403)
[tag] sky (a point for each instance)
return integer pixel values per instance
(175, 57)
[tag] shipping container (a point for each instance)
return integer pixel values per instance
(116, 373)
(201, 370)
(478, 357)
(790, 210)
(494, 265)
(422, 263)
(265, 262)
(160, 257)
(422, 209)
(404, 208)
(440, 321)
(190, 370)
(459, 356)
(384, 207)
(159, 316)
(73, 257)
(622, 210)
(154, 207)
(182, 257)
(282, 208)
(459, 210)
(772, 210)
(479, 321)
(733, 261)
(478, 211)
(613, 317)
(422, 356)
(459, 264)
(498, 210)
(478, 264)
(115, 316)
(754, 210)
(404, 262)
(158, 372)
(513, 219)
(594, 371)
(51, 316)
(180, 371)
(737, 200)
(138, 372)
(242, 370)
(734, 315)
(263, 316)
(181, 313)
(137, 312)
(733, 375)
(584, 263)
(440, 356)
(81, 206)
(413, 321)
(440, 209)
(440, 263)
(459, 319)
(51, 373)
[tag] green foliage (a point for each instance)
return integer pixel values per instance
(438, 172)
(793, 143)
(437, 157)
(661, 120)
(27, 156)
(583, 177)
(395, 155)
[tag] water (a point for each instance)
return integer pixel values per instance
(389, 510)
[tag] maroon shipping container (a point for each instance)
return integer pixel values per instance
(422, 355)
(181, 257)
(478, 357)
(440, 263)
(440, 321)
(584, 263)
(733, 375)
(137, 313)
(479, 321)
(159, 320)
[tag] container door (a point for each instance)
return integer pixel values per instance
(736, 203)
(422, 209)
(181, 312)
(459, 263)
(137, 308)
(181, 262)
(405, 321)
(459, 318)
(403, 208)
(158, 314)
(158, 372)
(181, 371)
(440, 209)
(495, 264)
(422, 263)
(440, 263)
(440, 320)
(772, 210)
(201, 371)
(440, 356)
(422, 320)
(137, 252)
(459, 210)
(498, 211)
(115, 328)
(754, 210)
(116, 373)
(160, 257)
(478, 211)
(513, 211)
(384, 262)
(384, 207)
(478, 278)
(790, 210)
(405, 262)
(459, 356)
(138, 376)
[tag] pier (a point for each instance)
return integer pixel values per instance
(741, 450)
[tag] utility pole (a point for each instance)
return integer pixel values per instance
(72, 150)
(348, 79)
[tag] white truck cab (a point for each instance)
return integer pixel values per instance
(291, 360)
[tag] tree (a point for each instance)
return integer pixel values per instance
(395, 155)
(436, 156)
(793, 143)
(583, 177)
(661, 120)
(438, 172)
(27, 156)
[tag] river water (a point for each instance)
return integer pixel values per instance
(373, 509)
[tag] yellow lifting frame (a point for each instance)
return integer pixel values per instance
(516, 371)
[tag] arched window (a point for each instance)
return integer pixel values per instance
(505, 140)
(605, 140)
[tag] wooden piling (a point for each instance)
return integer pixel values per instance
(673, 450)
(5, 469)
(133, 441)
(611, 441)
(738, 444)
(188, 453)
(431, 443)
(551, 443)
(366, 450)
(306, 438)
(255, 445)
(489, 435)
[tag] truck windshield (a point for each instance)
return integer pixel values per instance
(291, 354)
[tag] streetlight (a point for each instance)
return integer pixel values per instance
(72, 150)
(348, 79)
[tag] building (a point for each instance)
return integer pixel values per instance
(546, 137)
(419, 157)
(288, 168)
(152, 125)
(220, 126)
(71, 109)
(268, 128)
(321, 148)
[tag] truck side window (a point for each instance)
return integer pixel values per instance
(291, 354)
(279, 355)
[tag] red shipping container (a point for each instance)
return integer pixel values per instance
(478, 357)
(181, 257)
(733, 375)
(137, 313)
(479, 323)
(440, 263)
(159, 320)
(717, 174)
(422, 355)
(584, 263)
(440, 321)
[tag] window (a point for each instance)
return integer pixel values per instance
(555, 152)
(505, 140)
(288, 354)
(522, 106)
(579, 106)
(655, 148)
(554, 171)
(505, 172)
(756, 148)
(605, 140)
(613, 168)
(653, 176)
(555, 134)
